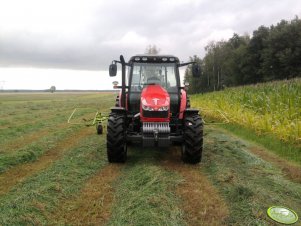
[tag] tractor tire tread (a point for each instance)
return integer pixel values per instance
(193, 139)
(116, 139)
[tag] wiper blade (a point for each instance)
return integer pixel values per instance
(151, 83)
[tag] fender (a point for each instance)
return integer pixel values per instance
(190, 111)
(183, 103)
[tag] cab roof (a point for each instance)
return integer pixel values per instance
(149, 58)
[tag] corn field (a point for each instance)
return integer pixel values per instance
(268, 108)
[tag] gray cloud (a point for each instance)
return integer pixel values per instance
(182, 28)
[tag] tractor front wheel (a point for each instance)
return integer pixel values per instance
(116, 138)
(192, 146)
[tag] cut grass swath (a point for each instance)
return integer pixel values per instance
(34, 200)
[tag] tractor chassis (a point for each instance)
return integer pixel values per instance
(152, 141)
(154, 134)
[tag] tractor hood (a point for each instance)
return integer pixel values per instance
(155, 104)
(155, 97)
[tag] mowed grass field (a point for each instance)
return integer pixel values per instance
(55, 173)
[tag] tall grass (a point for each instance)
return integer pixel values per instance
(268, 108)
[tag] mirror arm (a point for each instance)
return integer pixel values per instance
(120, 87)
(185, 64)
(117, 61)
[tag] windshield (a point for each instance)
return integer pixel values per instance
(150, 73)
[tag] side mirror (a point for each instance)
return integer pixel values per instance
(113, 70)
(196, 70)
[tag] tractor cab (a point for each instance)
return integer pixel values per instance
(153, 71)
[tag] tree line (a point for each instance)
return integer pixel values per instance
(271, 53)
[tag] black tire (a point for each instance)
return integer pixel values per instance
(116, 138)
(192, 146)
(99, 128)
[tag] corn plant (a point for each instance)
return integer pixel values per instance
(273, 108)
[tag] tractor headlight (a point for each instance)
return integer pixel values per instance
(147, 108)
(165, 108)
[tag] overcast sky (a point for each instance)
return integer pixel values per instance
(50, 42)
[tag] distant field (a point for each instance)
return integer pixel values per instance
(55, 173)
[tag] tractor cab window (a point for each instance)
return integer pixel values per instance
(144, 74)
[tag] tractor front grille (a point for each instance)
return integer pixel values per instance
(159, 127)
(155, 114)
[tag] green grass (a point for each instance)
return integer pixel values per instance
(18, 108)
(35, 199)
(32, 151)
(269, 108)
(249, 184)
(268, 113)
(20, 118)
(283, 149)
(145, 193)
(63, 179)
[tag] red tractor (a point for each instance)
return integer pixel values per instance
(153, 109)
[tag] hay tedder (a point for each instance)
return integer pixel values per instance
(153, 109)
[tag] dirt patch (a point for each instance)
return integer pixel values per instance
(292, 171)
(21, 172)
(93, 205)
(201, 202)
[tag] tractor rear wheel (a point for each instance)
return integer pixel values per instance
(116, 138)
(192, 146)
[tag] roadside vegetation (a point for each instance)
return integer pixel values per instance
(270, 110)
(264, 67)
